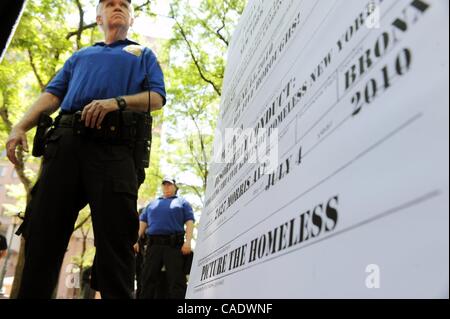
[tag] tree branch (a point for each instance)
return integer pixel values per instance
(223, 25)
(196, 191)
(194, 58)
(35, 71)
(199, 164)
(220, 36)
(80, 24)
(85, 27)
(203, 149)
(142, 6)
(217, 32)
(81, 224)
(4, 116)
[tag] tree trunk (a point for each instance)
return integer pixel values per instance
(21, 258)
(19, 269)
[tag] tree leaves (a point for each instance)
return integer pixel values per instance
(197, 55)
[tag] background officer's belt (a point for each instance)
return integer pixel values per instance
(169, 240)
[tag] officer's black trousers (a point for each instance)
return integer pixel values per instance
(139, 265)
(76, 172)
(173, 260)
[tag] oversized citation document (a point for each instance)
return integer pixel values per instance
(330, 174)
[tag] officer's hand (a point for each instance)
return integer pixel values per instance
(16, 138)
(186, 249)
(136, 248)
(94, 113)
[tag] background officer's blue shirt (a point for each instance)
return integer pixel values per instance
(106, 71)
(166, 216)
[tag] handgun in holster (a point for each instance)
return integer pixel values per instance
(143, 141)
(142, 144)
(44, 124)
(176, 240)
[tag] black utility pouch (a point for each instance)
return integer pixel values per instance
(143, 140)
(44, 124)
(142, 144)
(78, 126)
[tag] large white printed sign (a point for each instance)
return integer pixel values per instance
(335, 180)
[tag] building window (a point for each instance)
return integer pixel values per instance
(2, 171)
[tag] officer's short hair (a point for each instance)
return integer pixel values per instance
(100, 5)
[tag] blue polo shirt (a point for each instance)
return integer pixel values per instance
(166, 216)
(106, 71)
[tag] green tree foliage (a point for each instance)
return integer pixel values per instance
(197, 55)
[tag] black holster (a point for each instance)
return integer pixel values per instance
(42, 130)
(142, 123)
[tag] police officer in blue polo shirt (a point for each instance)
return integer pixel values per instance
(92, 164)
(164, 221)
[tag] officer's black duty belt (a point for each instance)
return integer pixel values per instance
(66, 120)
(115, 128)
